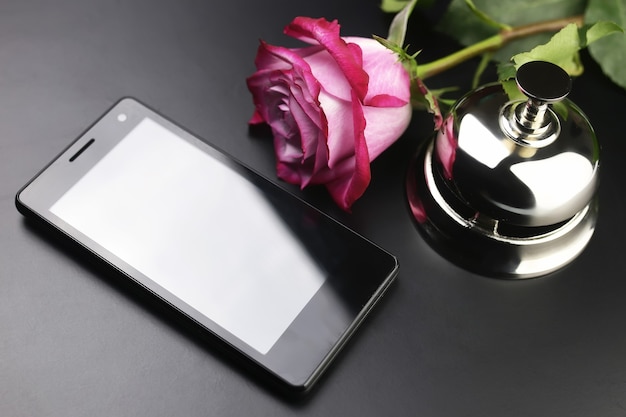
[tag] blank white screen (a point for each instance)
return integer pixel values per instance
(198, 230)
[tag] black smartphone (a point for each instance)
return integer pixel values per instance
(271, 277)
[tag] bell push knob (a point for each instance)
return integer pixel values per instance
(533, 123)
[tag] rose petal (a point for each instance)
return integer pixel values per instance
(346, 190)
(330, 75)
(256, 118)
(271, 57)
(326, 34)
(387, 75)
(339, 115)
(286, 173)
(384, 126)
(385, 100)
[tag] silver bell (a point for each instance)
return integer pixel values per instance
(509, 188)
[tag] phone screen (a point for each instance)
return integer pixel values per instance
(196, 228)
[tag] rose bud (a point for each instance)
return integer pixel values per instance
(333, 107)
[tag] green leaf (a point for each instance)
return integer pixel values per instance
(393, 6)
(423, 98)
(506, 71)
(564, 46)
(484, 17)
(395, 39)
(447, 102)
(610, 51)
(462, 24)
(561, 50)
(397, 29)
(601, 29)
(511, 89)
(482, 66)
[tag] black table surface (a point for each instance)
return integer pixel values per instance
(74, 340)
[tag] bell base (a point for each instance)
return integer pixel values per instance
(485, 251)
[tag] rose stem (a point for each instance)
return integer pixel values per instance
(492, 43)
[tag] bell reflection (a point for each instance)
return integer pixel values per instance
(478, 141)
(556, 180)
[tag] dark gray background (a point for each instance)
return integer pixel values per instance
(74, 340)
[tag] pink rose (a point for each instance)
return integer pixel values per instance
(333, 107)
